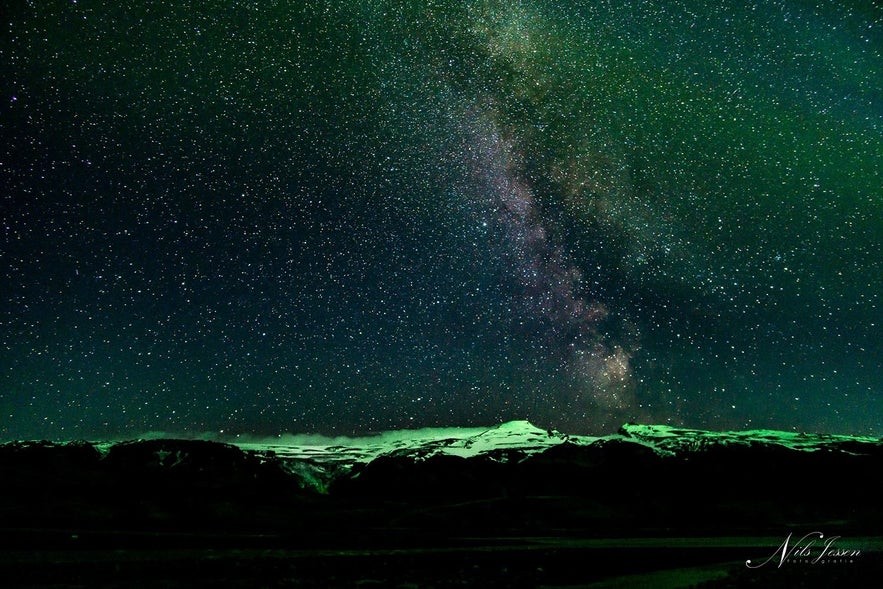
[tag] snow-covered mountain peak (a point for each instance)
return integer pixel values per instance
(513, 435)
(420, 444)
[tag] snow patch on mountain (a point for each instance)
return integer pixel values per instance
(668, 440)
(343, 453)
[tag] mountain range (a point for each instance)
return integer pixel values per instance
(649, 498)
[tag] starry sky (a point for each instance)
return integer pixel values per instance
(360, 215)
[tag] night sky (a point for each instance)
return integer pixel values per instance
(349, 216)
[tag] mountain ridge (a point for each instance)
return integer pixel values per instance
(469, 442)
(323, 462)
(445, 495)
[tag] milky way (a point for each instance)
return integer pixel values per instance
(344, 217)
(550, 286)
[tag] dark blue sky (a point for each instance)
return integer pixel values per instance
(353, 216)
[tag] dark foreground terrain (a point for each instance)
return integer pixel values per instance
(616, 512)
